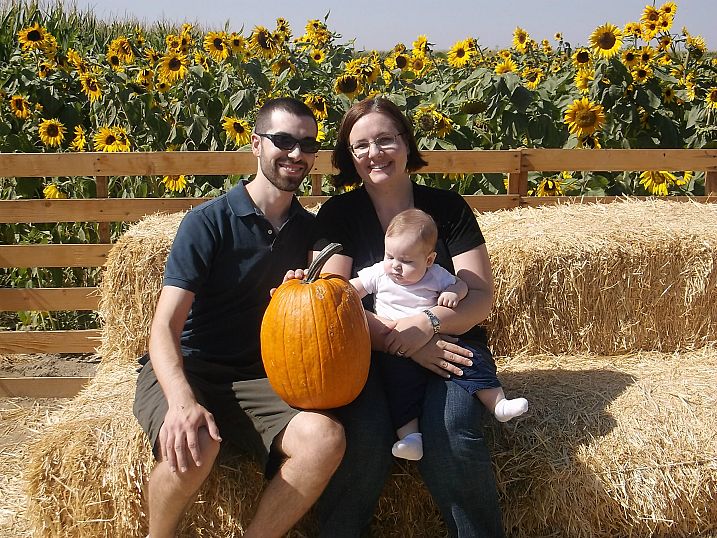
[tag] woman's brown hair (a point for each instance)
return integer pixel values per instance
(342, 158)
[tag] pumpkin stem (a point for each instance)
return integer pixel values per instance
(315, 268)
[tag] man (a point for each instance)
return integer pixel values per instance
(205, 378)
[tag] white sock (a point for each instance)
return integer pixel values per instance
(410, 447)
(507, 409)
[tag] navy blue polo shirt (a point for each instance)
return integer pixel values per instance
(229, 255)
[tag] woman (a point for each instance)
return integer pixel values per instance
(376, 145)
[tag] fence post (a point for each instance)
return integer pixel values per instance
(103, 192)
(710, 183)
(518, 181)
(316, 184)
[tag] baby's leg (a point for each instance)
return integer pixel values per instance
(410, 442)
(504, 409)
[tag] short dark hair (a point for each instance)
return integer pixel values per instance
(287, 104)
(342, 158)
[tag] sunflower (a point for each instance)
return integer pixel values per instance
(418, 65)
(263, 43)
(237, 130)
(238, 44)
(145, 78)
(318, 106)
(606, 40)
(433, 122)
(215, 43)
(51, 132)
(632, 29)
(51, 191)
(175, 183)
(115, 61)
(664, 42)
(533, 76)
(521, 40)
(111, 139)
(173, 67)
(163, 86)
(282, 32)
(421, 46)
(90, 87)
(506, 66)
(650, 14)
(582, 80)
(459, 55)
(20, 106)
(657, 181)
(317, 55)
(397, 60)
(630, 58)
(584, 117)
(173, 43)
(696, 46)
(647, 54)
(281, 65)
(122, 48)
(202, 60)
(549, 187)
(641, 74)
(649, 30)
(664, 23)
(349, 85)
(712, 98)
(668, 9)
(668, 95)
(79, 142)
(153, 57)
(32, 38)
(582, 59)
(590, 141)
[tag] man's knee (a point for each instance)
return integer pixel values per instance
(320, 435)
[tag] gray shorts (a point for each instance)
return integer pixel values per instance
(249, 414)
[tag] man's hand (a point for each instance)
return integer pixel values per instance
(290, 275)
(178, 437)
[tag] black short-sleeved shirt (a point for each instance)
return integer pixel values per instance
(350, 219)
(229, 255)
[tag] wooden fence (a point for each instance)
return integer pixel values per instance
(104, 210)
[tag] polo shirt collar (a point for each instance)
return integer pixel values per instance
(241, 204)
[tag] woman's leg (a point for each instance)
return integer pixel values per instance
(347, 505)
(456, 462)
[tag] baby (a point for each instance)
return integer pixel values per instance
(408, 282)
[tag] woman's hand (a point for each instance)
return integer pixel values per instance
(409, 335)
(442, 356)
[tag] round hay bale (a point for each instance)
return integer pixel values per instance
(603, 278)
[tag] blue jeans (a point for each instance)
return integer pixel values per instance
(456, 464)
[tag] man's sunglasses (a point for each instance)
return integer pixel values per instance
(287, 142)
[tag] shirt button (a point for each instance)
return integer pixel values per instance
(270, 231)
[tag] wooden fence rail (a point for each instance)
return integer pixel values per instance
(515, 163)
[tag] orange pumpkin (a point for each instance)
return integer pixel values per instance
(315, 342)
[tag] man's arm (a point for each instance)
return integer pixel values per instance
(178, 436)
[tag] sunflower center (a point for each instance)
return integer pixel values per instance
(52, 130)
(586, 118)
(583, 57)
(348, 85)
(263, 40)
(174, 64)
(34, 35)
(92, 85)
(401, 62)
(238, 127)
(426, 122)
(713, 96)
(460, 53)
(629, 57)
(218, 44)
(114, 60)
(110, 140)
(607, 40)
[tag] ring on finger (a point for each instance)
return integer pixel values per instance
(400, 353)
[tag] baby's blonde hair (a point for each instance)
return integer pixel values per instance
(417, 222)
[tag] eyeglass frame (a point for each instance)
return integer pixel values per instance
(374, 142)
(290, 138)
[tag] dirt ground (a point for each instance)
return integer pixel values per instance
(21, 421)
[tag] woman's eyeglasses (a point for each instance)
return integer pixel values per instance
(383, 143)
(287, 142)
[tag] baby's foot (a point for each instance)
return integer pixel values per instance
(409, 448)
(507, 409)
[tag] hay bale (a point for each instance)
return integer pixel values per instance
(603, 278)
(590, 459)
(609, 448)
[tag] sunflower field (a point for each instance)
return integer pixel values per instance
(70, 83)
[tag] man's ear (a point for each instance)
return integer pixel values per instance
(255, 144)
(431, 258)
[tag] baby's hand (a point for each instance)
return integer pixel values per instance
(290, 275)
(448, 299)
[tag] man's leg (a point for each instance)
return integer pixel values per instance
(171, 492)
(313, 444)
